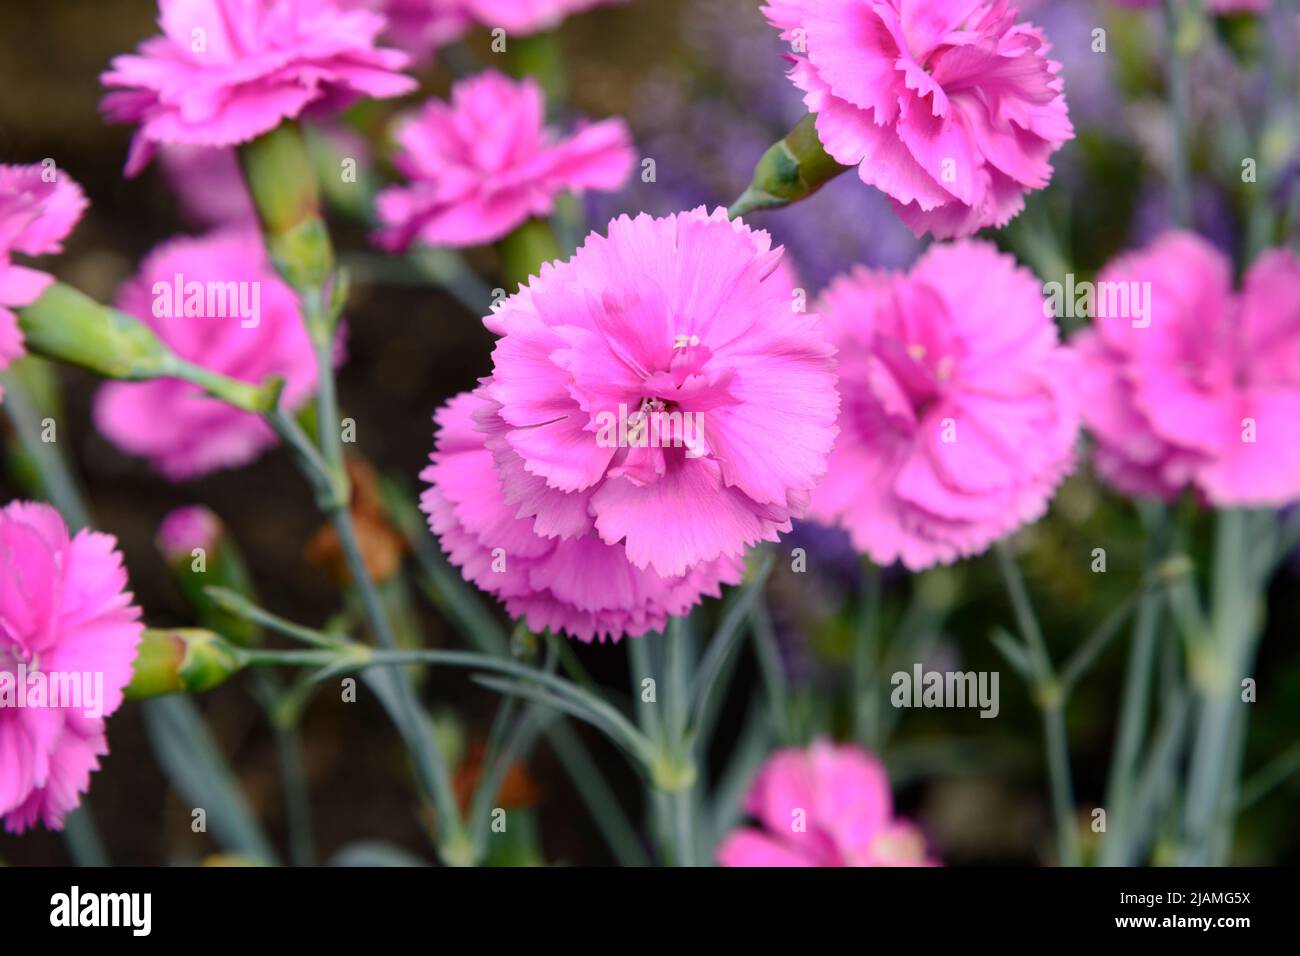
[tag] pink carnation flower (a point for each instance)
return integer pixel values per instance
(35, 217)
(825, 806)
(578, 584)
(959, 416)
(661, 388)
(949, 107)
(65, 611)
(1205, 389)
(232, 315)
(226, 71)
(483, 164)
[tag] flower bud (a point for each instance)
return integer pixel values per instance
(792, 169)
(182, 660)
(282, 183)
(66, 325)
(201, 554)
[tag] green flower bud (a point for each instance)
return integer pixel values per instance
(182, 660)
(789, 171)
(282, 183)
(201, 554)
(66, 325)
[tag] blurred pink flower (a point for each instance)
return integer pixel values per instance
(233, 315)
(828, 805)
(1205, 391)
(483, 164)
(959, 412)
(65, 611)
(949, 107)
(39, 205)
(226, 71)
(663, 388)
(577, 584)
(187, 528)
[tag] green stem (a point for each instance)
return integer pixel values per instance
(600, 800)
(1058, 761)
(57, 482)
(449, 592)
(1264, 780)
(1052, 704)
(82, 839)
(1217, 668)
(1117, 849)
(1023, 608)
(866, 651)
(428, 758)
(673, 775)
(293, 775)
(278, 171)
(769, 663)
(1178, 40)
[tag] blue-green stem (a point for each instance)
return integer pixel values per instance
(57, 480)
(448, 591)
(773, 672)
(278, 171)
(1218, 664)
(1182, 25)
(866, 654)
(1278, 770)
(1117, 849)
(293, 775)
(673, 776)
(1051, 703)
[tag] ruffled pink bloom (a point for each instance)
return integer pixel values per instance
(35, 217)
(484, 163)
(183, 433)
(226, 71)
(661, 389)
(828, 805)
(65, 612)
(950, 107)
(184, 529)
(528, 16)
(1205, 390)
(577, 584)
(960, 410)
